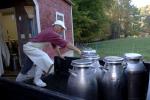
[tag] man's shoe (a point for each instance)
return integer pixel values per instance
(23, 77)
(39, 83)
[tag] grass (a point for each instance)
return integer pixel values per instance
(118, 47)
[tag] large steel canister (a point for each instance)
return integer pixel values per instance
(97, 70)
(82, 82)
(114, 78)
(91, 54)
(148, 90)
(136, 76)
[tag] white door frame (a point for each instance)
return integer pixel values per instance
(37, 15)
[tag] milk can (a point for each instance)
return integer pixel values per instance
(148, 90)
(114, 79)
(136, 76)
(82, 82)
(91, 55)
(97, 70)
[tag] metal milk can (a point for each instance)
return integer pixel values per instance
(91, 55)
(148, 90)
(97, 70)
(136, 76)
(114, 80)
(82, 82)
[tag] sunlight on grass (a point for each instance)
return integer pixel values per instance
(120, 46)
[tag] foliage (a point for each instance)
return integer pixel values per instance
(89, 19)
(145, 10)
(145, 13)
(135, 25)
(106, 19)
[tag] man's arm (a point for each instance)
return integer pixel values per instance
(58, 52)
(72, 47)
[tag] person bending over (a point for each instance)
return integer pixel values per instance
(34, 50)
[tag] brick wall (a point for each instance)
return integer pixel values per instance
(48, 10)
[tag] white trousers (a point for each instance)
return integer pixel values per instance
(38, 56)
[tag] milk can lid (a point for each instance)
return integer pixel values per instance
(91, 57)
(88, 51)
(132, 56)
(82, 63)
(113, 59)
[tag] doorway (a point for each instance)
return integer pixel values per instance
(10, 40)
(18, 26)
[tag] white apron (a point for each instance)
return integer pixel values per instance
(37, 55)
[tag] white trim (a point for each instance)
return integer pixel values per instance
(72, 26)
(61, 14)
(37, 15)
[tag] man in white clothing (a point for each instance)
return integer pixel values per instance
(40, 59)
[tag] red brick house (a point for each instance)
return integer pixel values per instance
(57, 10)
(29, 17)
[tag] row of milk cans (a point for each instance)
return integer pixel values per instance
(119, 78)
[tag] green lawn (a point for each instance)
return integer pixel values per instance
(120, 46)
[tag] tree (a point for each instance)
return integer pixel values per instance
(103, 19)
(89, 19)
(134, 19)
(145, 16)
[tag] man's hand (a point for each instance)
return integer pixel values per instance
(62, 57)
(72, 47)
(58, 52)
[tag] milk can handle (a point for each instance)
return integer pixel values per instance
(105, 68)
(124, 64)
(72, 72)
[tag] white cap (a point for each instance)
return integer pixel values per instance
(59, 22)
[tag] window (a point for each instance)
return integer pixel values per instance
(60, 16)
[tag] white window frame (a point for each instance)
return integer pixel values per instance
(62, 15)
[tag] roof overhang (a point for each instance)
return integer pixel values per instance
(12, 3)
(69, 2)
